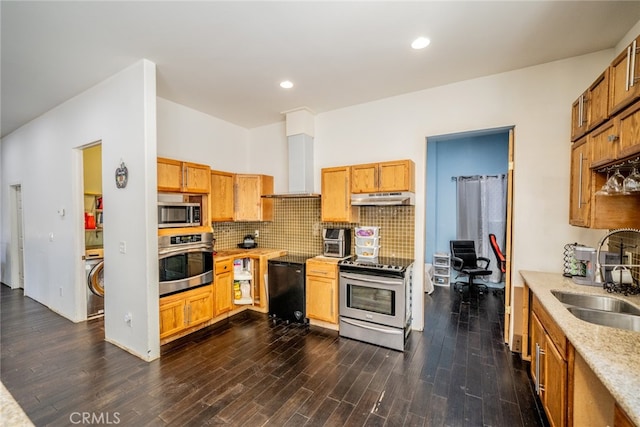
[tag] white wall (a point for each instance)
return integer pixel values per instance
(269, 154)
(43, 157)
(189, 135)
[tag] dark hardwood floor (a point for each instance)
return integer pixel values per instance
(252, 372)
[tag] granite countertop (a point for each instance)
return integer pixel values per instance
(613, 354)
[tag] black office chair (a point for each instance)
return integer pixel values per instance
(465, 261)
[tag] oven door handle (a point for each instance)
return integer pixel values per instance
(165, 253)
(367, 279)
(373, 328)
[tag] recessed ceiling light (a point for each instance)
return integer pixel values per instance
(420, 43)
(286, 84)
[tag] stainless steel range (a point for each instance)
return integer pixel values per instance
(375, 300)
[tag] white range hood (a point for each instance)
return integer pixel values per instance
(300, 129)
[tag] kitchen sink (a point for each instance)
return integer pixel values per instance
(607, 318)
(596, 302)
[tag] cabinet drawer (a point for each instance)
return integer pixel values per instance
(322, 269)
(224, 266)
(552, 329)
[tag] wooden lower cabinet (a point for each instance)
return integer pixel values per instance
(549, 368)
(322, 290)
(620, 418)
(570, 392)
(223, 287)
(185, 310)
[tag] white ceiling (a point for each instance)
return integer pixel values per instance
(227, 58)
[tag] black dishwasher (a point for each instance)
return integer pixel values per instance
(286, 283)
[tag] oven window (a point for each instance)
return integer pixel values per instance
(372, 299)
(185, 265)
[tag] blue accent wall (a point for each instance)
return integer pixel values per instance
(450, 156)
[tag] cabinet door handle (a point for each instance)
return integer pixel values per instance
(626, 80)
(580, 182)
(581, 118)
(632, 74)
(539, 352)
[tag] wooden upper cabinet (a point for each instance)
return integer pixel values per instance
(383, 177)
(197, 178)
(336, 195)
(580, 195)
(364, 178)
(629, 129)
(222, 196)
(169, 175)
(624, 76)
(249, 204)
(604, 144)
(579, 117)
(598, 101)
(184, 177)
(618, 138)
(591, 109)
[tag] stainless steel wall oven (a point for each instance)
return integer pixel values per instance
(185, 261)
(375, 301)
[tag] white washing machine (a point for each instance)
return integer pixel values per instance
(95, 287)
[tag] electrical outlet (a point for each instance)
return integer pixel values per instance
(257, 233)
(628, 257)
(517, 344)
(123, 247)
(127, 319)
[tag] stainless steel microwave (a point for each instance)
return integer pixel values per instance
(178, 214)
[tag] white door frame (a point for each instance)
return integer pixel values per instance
(16, 248)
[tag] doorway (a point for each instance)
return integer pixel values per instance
(17, 240)
(486, 152)
(93, 229)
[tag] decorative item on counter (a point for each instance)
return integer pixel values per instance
(572, 266)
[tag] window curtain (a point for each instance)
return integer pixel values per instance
(482, 210)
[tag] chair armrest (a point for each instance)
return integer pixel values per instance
(457, 263)
(487, 260)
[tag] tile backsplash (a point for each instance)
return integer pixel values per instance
(297, 228)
